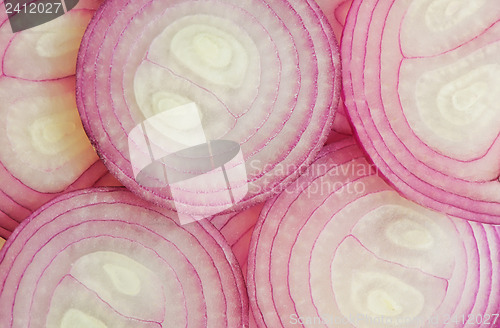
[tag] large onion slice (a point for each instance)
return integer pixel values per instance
(340, 248)
(261, 74)
(422, 85)
(45, 151)
(104, 258)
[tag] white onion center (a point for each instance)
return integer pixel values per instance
(444, 14)
(56, 44)
(74, 318)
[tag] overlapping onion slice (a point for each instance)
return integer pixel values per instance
(105, 258)
(422, 86)
(237, 230)
(336, 12)
(44, 148)
(340, 248)
(262, 74)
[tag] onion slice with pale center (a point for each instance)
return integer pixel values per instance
(261, 74)
(45, 151)
(340, 248)
(422, 87)
(105, 258)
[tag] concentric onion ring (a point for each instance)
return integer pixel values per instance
(45, 151)
(339, 247)
(421, 82)
(104, 258)
(263, 74)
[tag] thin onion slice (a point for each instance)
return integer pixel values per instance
(237, 229)
(421, 83)
(340, 247)
(45, 151)
(336, 12)
(105, 258)
(260, 74)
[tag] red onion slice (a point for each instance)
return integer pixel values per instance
(339, 247)
(104, 258)
(45, 151)
(421, 86)
(260, 74)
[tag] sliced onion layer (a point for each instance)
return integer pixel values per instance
(260, 74)
(341, 248)
(45, 151)
(421, 83)
(104, 258)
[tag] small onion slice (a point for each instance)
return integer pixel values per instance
(105, 258)
(341, 248)
(422, 88)
(45, 151)
(262, 74)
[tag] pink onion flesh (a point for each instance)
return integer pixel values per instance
(261, 74)
(421, 84)
(45, 151)
(104, 258)
(336, 12)
(237, 229)
(339, 247)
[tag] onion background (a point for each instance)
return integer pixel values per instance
(392, 224)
